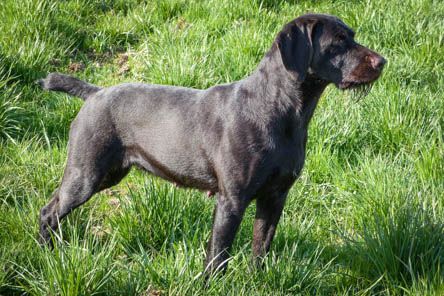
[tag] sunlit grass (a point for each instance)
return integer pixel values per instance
(366, 217)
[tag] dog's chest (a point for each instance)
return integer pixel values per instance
(288, 148)
(292, 157)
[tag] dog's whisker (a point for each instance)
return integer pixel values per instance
(361, 91)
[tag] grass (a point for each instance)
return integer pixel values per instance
(365, 218)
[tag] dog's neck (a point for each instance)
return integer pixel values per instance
(275, 88)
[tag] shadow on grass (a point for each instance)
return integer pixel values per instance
(390, 250)
(399, 249)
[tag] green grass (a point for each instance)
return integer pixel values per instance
(365, 218)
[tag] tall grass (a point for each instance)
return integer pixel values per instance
(365, 218)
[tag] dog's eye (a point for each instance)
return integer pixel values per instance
(341, 37)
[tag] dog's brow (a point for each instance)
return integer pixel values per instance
(349, 31)
(341, 29)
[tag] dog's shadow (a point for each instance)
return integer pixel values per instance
(401, 251)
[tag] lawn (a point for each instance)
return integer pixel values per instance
(365, 218)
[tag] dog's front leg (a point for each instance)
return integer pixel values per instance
(268, 212)
(228, 214)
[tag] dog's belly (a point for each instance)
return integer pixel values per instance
(182, 173)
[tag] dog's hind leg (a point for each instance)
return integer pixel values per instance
(94, 163)
(76, 188)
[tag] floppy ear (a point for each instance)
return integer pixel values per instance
(295, 46)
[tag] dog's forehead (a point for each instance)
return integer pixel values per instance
(341, 27)
(332, 23)
(336, 26)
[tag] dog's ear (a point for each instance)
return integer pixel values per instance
(296, 48)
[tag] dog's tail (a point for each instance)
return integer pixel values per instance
(68, 84)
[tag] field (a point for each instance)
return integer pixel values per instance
(365, 218)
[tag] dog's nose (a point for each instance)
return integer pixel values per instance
(377, 62)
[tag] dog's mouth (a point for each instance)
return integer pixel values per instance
(360, 80)
(358, 90)
(346, 84)
(353, 85)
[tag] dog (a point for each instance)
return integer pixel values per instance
(242, 141)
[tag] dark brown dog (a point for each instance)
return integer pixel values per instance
(244, 140)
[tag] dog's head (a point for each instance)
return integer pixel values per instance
(324, 47)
